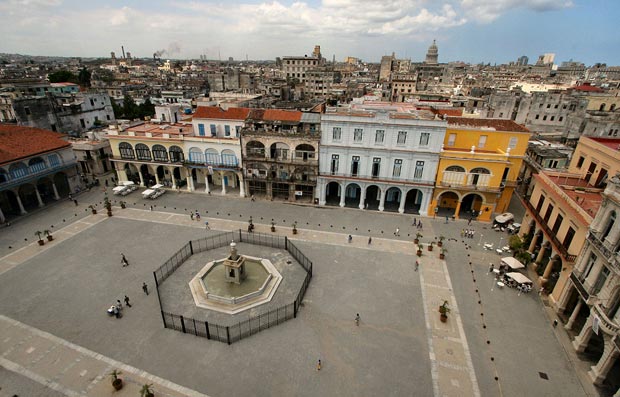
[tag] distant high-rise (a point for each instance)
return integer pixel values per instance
(432, 55)
(522, 60)
(545, 59)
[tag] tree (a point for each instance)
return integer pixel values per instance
(130, 109)
(104, 75)
(147, 109)
(84, 77)
(62, 76)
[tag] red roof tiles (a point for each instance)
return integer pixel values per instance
(282, 115)
(216, 112)
(497, 125)
(17, 142)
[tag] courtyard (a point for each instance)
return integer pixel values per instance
(494, 343)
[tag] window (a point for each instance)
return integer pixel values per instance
(513, 142)
(27, 110)
(398, 164)
(482, 141)
(402, 137)
(568, 239)
(53, 159)
(107, 116)
(580, 161)
(92, 103)
(237, 130)
(379, 136)
(555, 107)
(337, 133)
(451, 139)
(557, 224)
(552, 118)
(588, 269)
(600, 280)
(355, 165)
(424, 137)
(560, 118)
(548, 213)
(176, 154)
(126, 151)
(545, 118)
(226, 130)
(143, 152)
(376, 166)
(419, 169)
(201, 129)
(335, 162)
(358, 134)
(160, 153)
(610, 224)
(537, 116)
(82, 123)
(541, 201)
(213, 128)
(548, 106)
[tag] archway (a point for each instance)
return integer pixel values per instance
(373, 197)
(196, 155)
(255, 149)
(143, 152)
(471, 205)
(161, 175)
(229, 158)
(62, 184)
(595, 347)
(392, 199)
(212, 156)
(46, 191)
(352, 196)
(446, 204)
(413, 201)
(556, 268)
(279, 150)
(9, 205)
(332, 193)
(148, 179)
(305, 152)
(176, 154)
(160, 154)
(28, 196)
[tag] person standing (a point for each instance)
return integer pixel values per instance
(145, 288)
(151, 208)
(119, 304)
(75, 202)
(417, 264)
(350, 238)
(357, 319)
(197, 216)
(446, 218)
(318, 365)
(369, 240)
(207, 227)
(191, 215)
(124, 261)
(397, 232)
(127, 301)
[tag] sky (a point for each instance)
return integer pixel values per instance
(495, 31)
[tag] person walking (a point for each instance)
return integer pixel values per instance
(197, 216)
(397, 232)
(127, 301)
(357, 319)
(414, 222)
(252, 198)
(207, 227)
(119, 304)
(446, 218)
(191, 215)
(145, 288)
(318, 365)
(369, 240)
(491, 268)
(124, 261)
(350, 238)
(75, 202)
(151, 208)
(417, 264)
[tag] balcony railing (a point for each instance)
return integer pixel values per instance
(171, 159)
(602, 247)
(289, 178)
(20, 175)
(608, 325)
(471, 187)
(297, 157)
(550, 233)
(397, 179)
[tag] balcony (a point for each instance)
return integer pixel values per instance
(22, 175)
(310, 179)
(384, 179)
(581, 288)
(605, 323)
(175, 160)
(479, 188)
(283, 156)
(550, 233)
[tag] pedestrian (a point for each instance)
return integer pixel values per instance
(70, 197)
(191, 215)
(472, 233)
(75, 202)
(420, 225)
(197, 216)
(127, 301)
(252, 198)
(357, 319)
(207, 225)
(318, 366)
(151, 208)
(414, 222)
(117, 313)
(124, 261)
(446, 218)
(369, 240)
(417, 264)
(491, 268)
(119, 304)
(145, 288)
(555, 323)
(350, 238)
(397, 232)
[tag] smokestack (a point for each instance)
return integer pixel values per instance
(123, 49)
(154, 56)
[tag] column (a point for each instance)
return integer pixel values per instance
(574, 314)
(56, 195)
(291, 192)
(206, 173)
(599, 372)
(2, 218)
(141, 178)
(382, 200)
(567, 292)
(543, 248)
(342, 194)
(36, 191)
(401, 207)
(156, 177)
(321, 188)
(532, 246)
(426, 201)
(269, 190)
(549, 267)
(241, 185)
(456, 211)
(174, 181)
(122, 174)
(190, 182)
(362, 197)
(581, 341)
(19, 202)
(223, 192)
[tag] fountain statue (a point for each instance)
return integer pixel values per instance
(234, 266)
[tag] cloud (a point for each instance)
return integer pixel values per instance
(489, 10)
(119, 17)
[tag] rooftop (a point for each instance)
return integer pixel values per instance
(612, 143)
(216, 112)
(158, 130)
(581, 195)
(486, 124)
(18, 142)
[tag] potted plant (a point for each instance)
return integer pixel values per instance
(39, 233)
(92, 208)
(117, 382)
(48, 234)
(443, 312)
(440, 242)
(294, 227)
(418, 236)
(419, 250)
(273, 226)
(147, 391)
(430, 246)
(123, 204)
(442, 253)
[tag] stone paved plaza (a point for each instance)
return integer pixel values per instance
(58, 340)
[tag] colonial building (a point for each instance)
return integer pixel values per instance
(280, 153)
(295, 67)
(561, 207)
(379, 156)
(36, 167)
(478, 167)
(590, 303)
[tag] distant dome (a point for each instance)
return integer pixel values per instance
(432, 54)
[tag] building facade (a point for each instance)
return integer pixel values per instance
(478, 167)
(379, 157)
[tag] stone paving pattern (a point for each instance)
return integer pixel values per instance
(64, 288)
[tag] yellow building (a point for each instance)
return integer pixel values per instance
(478, 167)
(562, 206)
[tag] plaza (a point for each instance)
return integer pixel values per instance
(495, 342)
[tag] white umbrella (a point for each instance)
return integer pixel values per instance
(519, 278)
(512, 263)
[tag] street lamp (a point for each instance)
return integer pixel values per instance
(480, 241)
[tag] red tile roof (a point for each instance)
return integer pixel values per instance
(18, 142)
(216, 112)
(497, 125)
(282, 115)
(587, 87)
(612, 143)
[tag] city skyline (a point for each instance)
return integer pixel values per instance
(494, 31)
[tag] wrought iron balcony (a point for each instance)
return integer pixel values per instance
(479, 188)
(605, 323)
(550, 233)
(379, 178)
(19, 176)
(605, 250)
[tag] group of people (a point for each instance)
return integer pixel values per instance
(194, 215)
(469, 233)
(116, 310)
(417, 223)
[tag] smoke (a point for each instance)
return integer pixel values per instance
(173, 48)
(159, 53)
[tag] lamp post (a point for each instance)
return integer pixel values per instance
(480, 241)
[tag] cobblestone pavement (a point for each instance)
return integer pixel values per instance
(399, 343)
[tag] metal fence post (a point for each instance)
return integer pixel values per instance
(207, 329)
(240, 238)
(195, 330)
(286, 243)
(191, 247)
(182, 324)
(295, 309)
(228, 334)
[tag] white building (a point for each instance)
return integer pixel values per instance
(379, 156)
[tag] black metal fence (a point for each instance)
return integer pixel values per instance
(245, 328)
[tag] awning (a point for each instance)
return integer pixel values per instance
(519, 278)
(118, 189)
(505, 217)
(512, 263)
(147, 192)
(158, 186)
